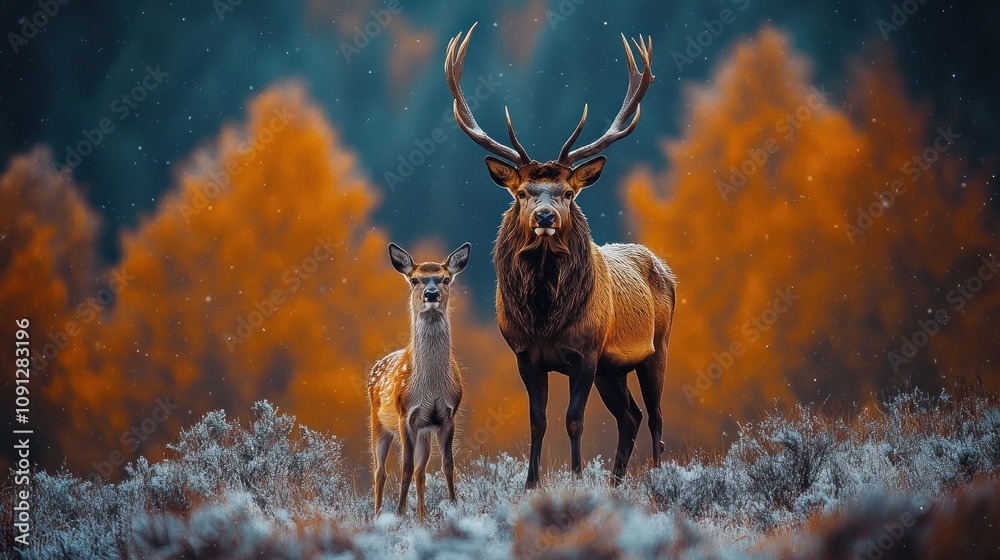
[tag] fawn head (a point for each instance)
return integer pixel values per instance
(430, 282)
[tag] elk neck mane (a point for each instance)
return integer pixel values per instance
(547, 281)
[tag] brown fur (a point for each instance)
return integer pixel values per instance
(593, 313)
(540, 275)
(563, 303)
(419, 388)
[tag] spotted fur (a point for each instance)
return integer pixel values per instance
(417, 390)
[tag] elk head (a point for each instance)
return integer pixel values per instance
(430, 282)
(544, 193)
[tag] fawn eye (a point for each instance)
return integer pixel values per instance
(522, 195)
(414, 281)
(568, 195)
(446, 281)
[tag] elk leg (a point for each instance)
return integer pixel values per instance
(650, 374)
(537, 384)
(617, 397)
(406, 443)
(421, 452)
(381, 443)
(581, 381)
(446, 438)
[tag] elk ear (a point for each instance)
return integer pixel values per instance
(587, 173)
(503, 173)
(401, 260)
(456, 261)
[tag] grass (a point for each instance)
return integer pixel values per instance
(801, 483)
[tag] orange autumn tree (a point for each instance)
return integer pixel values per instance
(47, 275)
(254, 279)
(785, 290)
(259, 276)
(939, 228)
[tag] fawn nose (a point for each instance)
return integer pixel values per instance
(432, 294)
(545, 219)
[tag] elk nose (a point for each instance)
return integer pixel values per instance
(432, 294)
(545, 219)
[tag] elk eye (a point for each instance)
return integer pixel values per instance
(568, 195)
(414, 281)
(522, 195)
(446, 281)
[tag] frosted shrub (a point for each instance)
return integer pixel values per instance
(568, 524)
(990, 440)
(277, 490)
(226, 532)
(265, 461)
(486, 484)
(694, 489)
(784, 455)
(78, 519)
(233, 528)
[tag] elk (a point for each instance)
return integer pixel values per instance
(418, 389)
(564, 304)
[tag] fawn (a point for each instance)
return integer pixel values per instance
(418, 389)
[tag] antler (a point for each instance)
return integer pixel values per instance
(454, 63)
(638, 83)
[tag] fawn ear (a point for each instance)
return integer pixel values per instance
(503, 173)
(401, 260)
(456, 261)
(587, 173)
